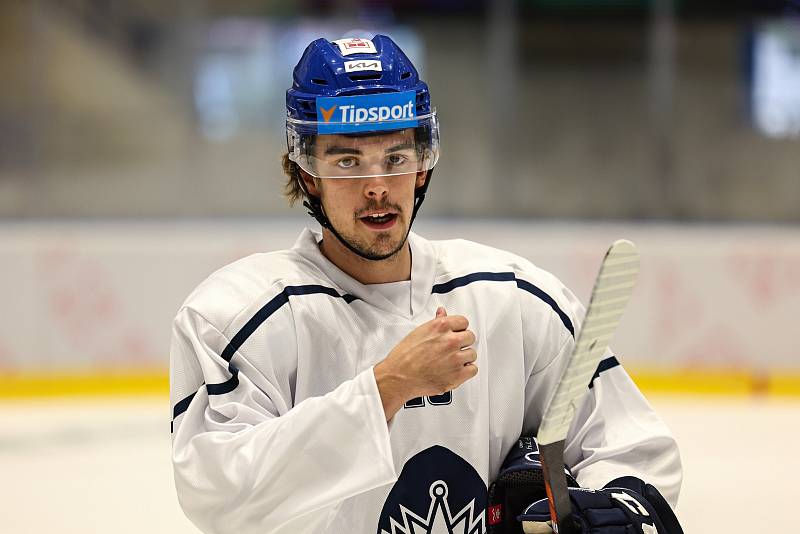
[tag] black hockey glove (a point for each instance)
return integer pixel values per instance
(624, 506)
(519, 483)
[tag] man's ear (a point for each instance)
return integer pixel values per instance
(422, 176)
(309, 183)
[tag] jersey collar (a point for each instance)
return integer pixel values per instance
(423, 264)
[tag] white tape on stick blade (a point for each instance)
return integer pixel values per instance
(612, 290)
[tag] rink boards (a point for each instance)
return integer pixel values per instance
(89, 303)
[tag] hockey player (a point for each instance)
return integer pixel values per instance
(368, 380)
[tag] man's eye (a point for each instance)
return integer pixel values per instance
(397, 159)
(346, 163)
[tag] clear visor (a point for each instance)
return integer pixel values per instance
(384, 148)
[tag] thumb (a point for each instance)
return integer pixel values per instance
(440, 312)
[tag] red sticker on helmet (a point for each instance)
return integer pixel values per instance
(355, 45)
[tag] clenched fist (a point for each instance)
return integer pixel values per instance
(435, 357)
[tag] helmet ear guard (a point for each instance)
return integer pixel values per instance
(293, 144)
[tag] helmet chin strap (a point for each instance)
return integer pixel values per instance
(315, 209)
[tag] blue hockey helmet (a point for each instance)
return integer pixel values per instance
(348, 67)
(351, 89)
(358, 109)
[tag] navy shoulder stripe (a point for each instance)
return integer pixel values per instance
(605, 365)
(461, 281)
(533, 290)
(446, 287)
(271, 307)
(247, 330)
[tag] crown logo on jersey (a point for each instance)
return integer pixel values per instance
(440, 519)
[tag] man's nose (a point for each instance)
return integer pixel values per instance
(376, 187)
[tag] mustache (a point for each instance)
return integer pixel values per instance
(379, 206)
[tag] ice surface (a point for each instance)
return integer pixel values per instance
(78, 467)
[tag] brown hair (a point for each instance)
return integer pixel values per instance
(291, 190)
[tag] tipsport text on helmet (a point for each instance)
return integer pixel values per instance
(354, 114)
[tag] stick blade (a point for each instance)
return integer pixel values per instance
(612, 290)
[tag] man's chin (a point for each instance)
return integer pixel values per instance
(382, 253)
(384, 246)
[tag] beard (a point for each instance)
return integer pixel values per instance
(382, 246)
(376, 251)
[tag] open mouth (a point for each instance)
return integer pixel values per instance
(379, 221)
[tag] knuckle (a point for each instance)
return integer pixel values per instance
(453, 342)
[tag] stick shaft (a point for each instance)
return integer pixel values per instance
(552, 457)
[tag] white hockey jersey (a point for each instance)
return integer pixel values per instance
(278, 426)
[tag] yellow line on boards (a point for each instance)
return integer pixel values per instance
(785, 386)
(83, 385)
(715, 382)
(105, 384)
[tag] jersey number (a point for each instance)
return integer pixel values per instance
(433, 400)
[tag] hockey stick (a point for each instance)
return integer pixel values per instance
(612, 289)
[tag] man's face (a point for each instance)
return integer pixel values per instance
(373, 213)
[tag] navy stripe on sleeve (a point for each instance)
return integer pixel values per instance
(183, 405)
(227, 386)
(605, 365)
(247, 330)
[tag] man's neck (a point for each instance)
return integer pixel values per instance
(394, 269)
